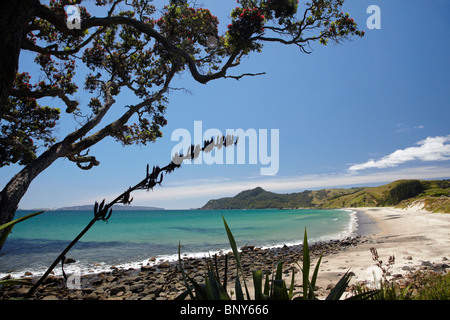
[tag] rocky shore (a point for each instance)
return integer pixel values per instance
(419, 240)
(163, 280)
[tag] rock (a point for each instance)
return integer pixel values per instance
(19, 292)
(90, 296)
(69, 260)
(7, 277)
(97, 283)
(50, 297)
(164, 265)
(76, 295)
(136, 288)
(87, 290)
(147, 268)
(117, 289)
(408, 258)
(153, 289)
(330, 286)
(440, 266)
(51, 279)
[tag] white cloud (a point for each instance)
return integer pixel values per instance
(401, 128)
(430, 149)
(197, 193)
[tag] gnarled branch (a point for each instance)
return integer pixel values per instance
(71, 104)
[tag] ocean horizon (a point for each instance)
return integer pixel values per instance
(130, 238)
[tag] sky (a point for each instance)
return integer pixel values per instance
(362, 113)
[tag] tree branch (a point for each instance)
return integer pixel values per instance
(59, 22)
(71, 104)
(80, 160)
(115, 125)
(245, 75)
(29, 45)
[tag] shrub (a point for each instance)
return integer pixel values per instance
(273, 289)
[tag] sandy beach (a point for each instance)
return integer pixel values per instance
(415, 237)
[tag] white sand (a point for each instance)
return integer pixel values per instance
(412, 236)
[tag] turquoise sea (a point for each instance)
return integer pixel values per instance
(130, 238)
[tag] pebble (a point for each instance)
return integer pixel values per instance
(163, 279)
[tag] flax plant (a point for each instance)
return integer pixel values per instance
(273, 289)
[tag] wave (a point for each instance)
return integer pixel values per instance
(94, 254)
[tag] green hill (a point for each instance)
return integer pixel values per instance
(432, 195)
(259, 198)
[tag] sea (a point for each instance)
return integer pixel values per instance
(130, 239)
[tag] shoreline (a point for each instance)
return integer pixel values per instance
(92, 268)
(418, 239)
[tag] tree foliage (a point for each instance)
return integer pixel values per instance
(405, 190)
(125, 51)
(139, 48)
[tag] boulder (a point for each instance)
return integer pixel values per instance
(90, 296)
(69, 260)
(115, 290)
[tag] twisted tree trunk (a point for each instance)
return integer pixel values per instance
(16, 188)
(14, 18)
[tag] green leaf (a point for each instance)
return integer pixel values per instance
(7, 227)
(314, 278)
(238, 287)
(306, 265)
(189, 290)
(5, 234)
(279, 274)
(237, 258)
(214, 288)
(279, 290)
(340, 287)
(267, 286)
(12, 223)
(13, 282)
(257, 283)
(291, 288)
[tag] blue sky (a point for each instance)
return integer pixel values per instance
(366, 112)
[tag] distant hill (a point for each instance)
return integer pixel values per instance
(90, 207)
(259, 198)
(432, 195)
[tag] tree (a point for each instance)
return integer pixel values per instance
(130, 46)
(405, 190)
